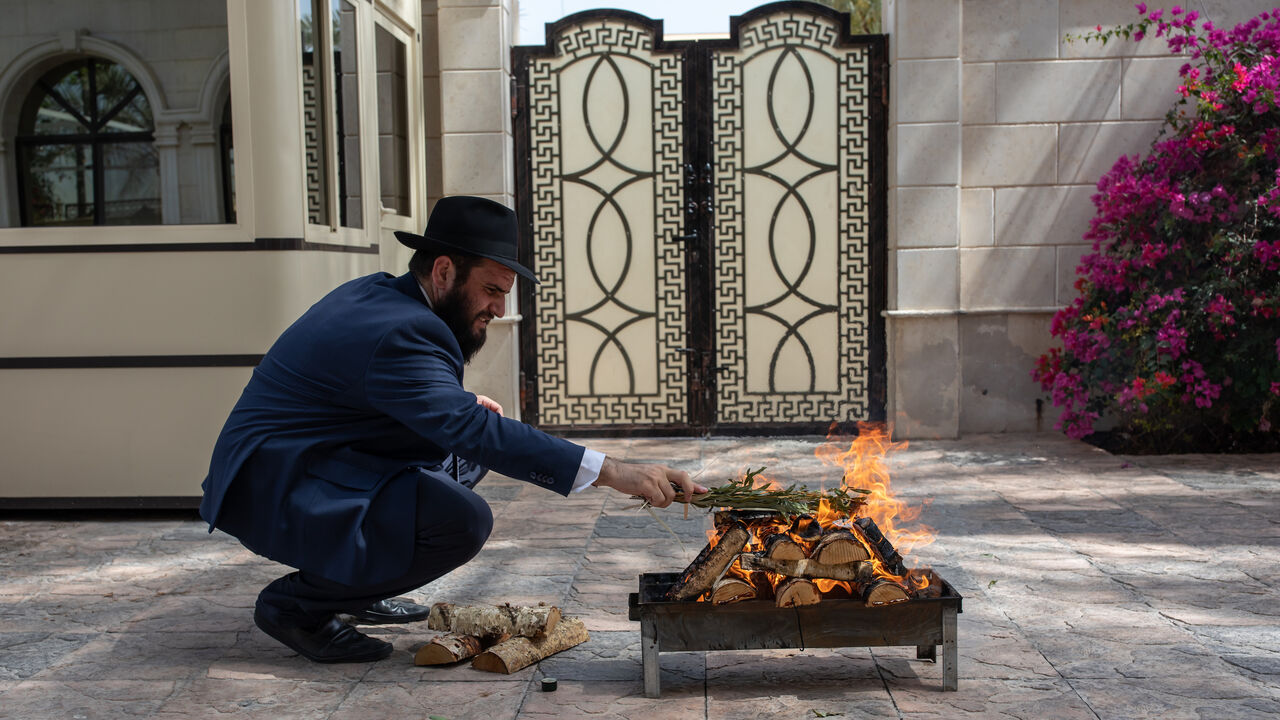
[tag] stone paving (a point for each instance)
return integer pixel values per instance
(1095, 586)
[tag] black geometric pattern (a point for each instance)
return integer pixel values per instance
(773, 40)
(611, 325)
(313, 146)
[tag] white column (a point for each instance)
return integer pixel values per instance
(204, 146)
(268, 117)
(166, 144)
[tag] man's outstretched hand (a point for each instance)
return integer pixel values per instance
(657, 484)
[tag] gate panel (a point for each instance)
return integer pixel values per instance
(798, 338)
(605, 153)
(708, 220)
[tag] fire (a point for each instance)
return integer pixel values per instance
(863, 465)
(865, 478)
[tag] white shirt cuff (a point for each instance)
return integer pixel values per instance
(589, 470)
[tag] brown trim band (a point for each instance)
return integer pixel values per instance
(128, 361)
(123, 502)
(272, 244)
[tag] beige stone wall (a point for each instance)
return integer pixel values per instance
(999, 132)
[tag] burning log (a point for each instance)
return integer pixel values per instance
(710, 564)
(518, 652)
(453, 647)
(731, 589)
(807, 528)
(855, 571)
(883, 592)
(839, 546)
(726, 518)
(780, 546)
(796, 592)
(494, 620)
(881, 544)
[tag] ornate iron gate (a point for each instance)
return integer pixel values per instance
(707, 219)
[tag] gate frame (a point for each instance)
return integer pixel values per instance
(699, 269)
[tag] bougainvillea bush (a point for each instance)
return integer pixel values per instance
(1175, 333)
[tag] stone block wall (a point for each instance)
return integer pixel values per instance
(999, 131)
(472, 146)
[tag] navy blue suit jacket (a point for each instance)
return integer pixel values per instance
(323, 444)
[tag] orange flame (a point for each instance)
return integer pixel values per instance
(864, 469)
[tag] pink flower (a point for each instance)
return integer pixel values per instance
(1142, 8)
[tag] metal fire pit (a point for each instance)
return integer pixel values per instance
(669, 626)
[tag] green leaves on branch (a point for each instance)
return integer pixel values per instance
(744, 494)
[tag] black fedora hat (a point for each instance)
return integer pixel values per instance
(469, 225)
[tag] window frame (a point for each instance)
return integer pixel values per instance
(93, 139)
(333, 232)
(415, 127)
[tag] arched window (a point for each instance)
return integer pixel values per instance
(86, 149)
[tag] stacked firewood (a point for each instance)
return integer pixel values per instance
(498, 638)
(788, 559)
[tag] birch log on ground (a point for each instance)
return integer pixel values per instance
(710, 564)
(855, 571)
(452, 648)
(519, 652)
(536, 621)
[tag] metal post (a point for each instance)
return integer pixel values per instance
(950, 674)
(649, 657)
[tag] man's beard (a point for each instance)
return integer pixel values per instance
(451, 308)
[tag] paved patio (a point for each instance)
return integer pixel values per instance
(1095, 586)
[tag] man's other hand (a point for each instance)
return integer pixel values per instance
(657, 484)
(488, 404)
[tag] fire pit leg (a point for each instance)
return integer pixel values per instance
(649, 657)
(950, 671)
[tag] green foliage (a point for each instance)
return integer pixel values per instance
(864, 15)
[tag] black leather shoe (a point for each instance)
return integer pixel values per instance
(333, 642)
(392, 610)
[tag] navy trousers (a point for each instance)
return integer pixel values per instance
(453, 523)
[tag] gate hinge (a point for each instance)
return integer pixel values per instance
(884, 85)
(516, 99)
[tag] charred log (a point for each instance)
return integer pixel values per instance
(882, 546)
(710, 564)
(750, 518)
(807, 528)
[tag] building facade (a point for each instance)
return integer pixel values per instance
(179, 181)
